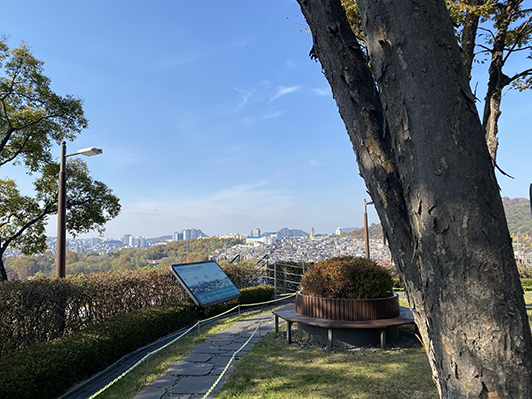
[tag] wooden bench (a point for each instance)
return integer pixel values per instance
(289, 314)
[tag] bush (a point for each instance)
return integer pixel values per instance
(47, 370)
(348, 278)
(397, 284)
(42, 309)
(242, 275)
(527, 284)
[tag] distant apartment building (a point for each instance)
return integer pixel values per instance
(232, 235)
(255, 232)
(188, 234)
(134, 242)
(268, 238)
(125, 239)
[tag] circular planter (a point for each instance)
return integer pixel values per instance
(347, 309)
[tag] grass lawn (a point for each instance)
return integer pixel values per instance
(274, 369)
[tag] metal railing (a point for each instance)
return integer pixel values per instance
(284, 277)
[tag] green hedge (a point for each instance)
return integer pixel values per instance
(43, 309)
(527, 284)
(47, 370)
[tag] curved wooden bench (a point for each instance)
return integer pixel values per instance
(289, 314)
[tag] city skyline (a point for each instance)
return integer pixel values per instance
(215, 117)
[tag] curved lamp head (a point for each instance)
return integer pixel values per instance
(90, 151)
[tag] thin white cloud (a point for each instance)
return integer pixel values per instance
(322, 92)
(245, 95)
(225, 210)
(283, 91)
(314, 162)
(272, 114)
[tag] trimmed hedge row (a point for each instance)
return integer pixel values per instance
(42, 309)
(47, 370)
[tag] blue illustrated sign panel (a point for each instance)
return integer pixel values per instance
(205, 282)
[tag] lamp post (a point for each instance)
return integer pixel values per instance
(366, 232)
(60, 263)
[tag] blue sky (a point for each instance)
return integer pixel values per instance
(212, 116)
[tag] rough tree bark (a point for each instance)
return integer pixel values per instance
(421, 150)
(469, 36)
(497, 79)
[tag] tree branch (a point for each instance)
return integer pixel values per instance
(520, 34)
(17, 153)
(46, 211)
(526, 72)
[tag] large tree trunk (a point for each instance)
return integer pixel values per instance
(421, 151)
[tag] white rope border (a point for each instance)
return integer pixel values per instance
(150, 354)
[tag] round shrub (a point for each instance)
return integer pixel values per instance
(347, 277)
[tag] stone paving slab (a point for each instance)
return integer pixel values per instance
(164, 381)
(150, 393)
(197, 357)
(194, 385)
(190, 369)
(206, 347)
(222, 360)
(193, 376)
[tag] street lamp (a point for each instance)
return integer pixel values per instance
(366, 232)
(60, 263)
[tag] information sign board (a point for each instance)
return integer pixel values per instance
(205, 282)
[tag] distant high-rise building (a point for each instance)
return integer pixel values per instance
(186, 234)
(312, 234)
(142, 242)
(255, 232)
(133, 242)
(125, 239)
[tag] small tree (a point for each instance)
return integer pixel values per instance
(32, 119)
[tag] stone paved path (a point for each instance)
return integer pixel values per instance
(193, 376)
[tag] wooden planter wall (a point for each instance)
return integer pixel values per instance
(347, 309)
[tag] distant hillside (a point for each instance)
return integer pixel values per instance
(286, 232)
(518, 216)
(375, 232)
(519, 221)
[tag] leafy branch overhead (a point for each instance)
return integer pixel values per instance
(487, 31)
(33, 119)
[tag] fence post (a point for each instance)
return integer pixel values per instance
(275, 279)
(284, 279)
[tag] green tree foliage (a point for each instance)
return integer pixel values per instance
(488, 32)
(32, 119)
(125, 259)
